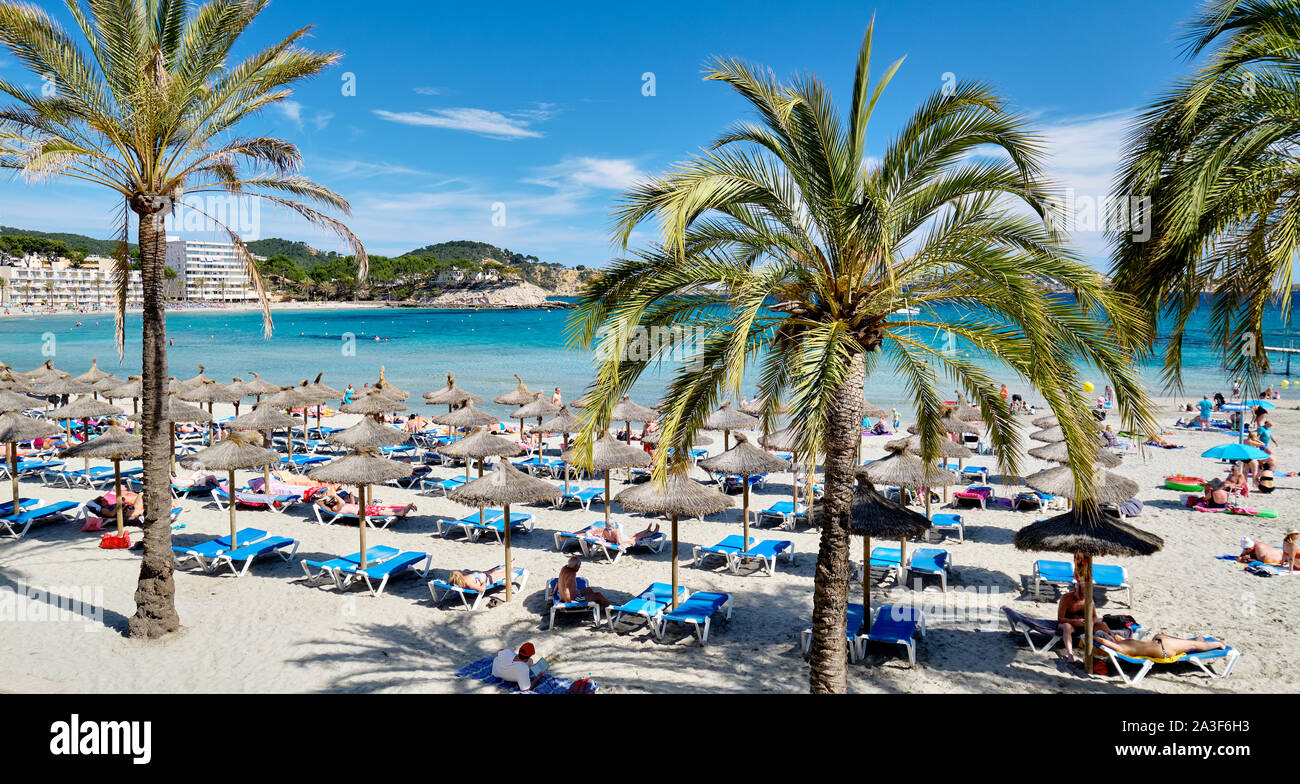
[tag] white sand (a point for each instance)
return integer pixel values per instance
(267, 632)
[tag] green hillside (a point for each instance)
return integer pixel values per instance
(93, 246)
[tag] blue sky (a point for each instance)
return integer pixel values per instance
(463, 107)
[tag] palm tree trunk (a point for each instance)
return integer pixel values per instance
(155, 611)
(828, 665)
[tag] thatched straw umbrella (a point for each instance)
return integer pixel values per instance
(947, 448)
(520, 395)
(94, 375)
(129, 388)
(113, 444)
(627, 412)
(367, 433)
(506, 485)
(15, 427)
(1086, 532)
(1108, 487)
(676, 496)
(64, 385)
(39, 370)
(698, 439)
(746, 460)
(755, 407)
(263, 419)
(539, 407)
(12, 401)
(874, 515)
(210, 392)
(258, 386)
(1045, 421)
(289, 398)
(1057, 452)
(450, 395)
(323, 392)
(787, 440)
(177, 411)
(84, 408)
(726, 419)
(563, 422)
(1049, 435)
(362, 468)
(16, 383)
(374, 403)
(869, 409)
(466, 416)
(238, 450)
(106, 383)
(904, 469)
(480, 445)
(605, 455)
(951, 424)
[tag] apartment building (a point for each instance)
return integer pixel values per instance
(209, 270)
(56, 283)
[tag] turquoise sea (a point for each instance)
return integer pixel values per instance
(417, 347)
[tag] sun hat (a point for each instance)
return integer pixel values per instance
(1247, 542)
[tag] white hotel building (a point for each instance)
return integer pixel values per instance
(209, 270)
(55, 283)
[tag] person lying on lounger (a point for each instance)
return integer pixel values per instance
(1258, 551)
(567, 587)
(1161, 646)
(341, 502)
(614, 534)
(476, 580)
(106, 506)
(196, 479)
(286, 478)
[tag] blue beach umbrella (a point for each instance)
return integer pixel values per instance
(1253, 403)
(1236, 452)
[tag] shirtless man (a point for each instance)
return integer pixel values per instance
(1161, 646)
(1070, 618)
(1258, 551)
(567, 587)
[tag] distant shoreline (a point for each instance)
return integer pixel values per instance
(14, 312)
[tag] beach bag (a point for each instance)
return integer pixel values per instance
(93, 524)
(112, 541)
(1099, 667)
(583, 686)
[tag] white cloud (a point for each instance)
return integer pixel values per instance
(428, 90)
(483, 122)
(292, 110)
(587, 172)
(1084, 155)
(363, 169)
(322, 119)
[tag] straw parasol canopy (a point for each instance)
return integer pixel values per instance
(385, 387)
(106, 383)
(904, 469)
(606, 454)
(86, 408)
(362, 468)
(323, 390)
(1045, 421)
(874, 515)
(784, 440)
(465, 417)
(15, 382)
(15, 427)
(177, 411)
(755, 407)
(627, 411)
(871, 410)
(968, 413)
(258, 386)
(504, 486)
(564, 421)
(947, 448)
(39, 370)
(539, 407)
(519, 396)
(726, 419)
(367, 433)
(951, 423)
(209, 391)
(450, 395)
(239, 450)
(698, 439)
(372, 403)
(1056, 452)
(745, 460)
(113, 444)
(94, 374)
(481, 444)
(675, 497)
(1087, 532)
(1110, 487)
(263, 418)
(65, 385)
(1049, 435)
(12, 401)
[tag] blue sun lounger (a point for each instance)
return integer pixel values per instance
(71, 477)
(785, 513)
(445, 485)
(465, 594)
(472, 519)
(947, 520)
(647, 605)
(519, 524)
(592, 544)
(26, 467)
(398, 565)
(18, 525)
(203, 552)
(275, 503)
(334, 567)
(895, 625)
(765, 552)
(697, 610)
(7, 510)
(583, 496)
(303, 461)
(853, 626)
(885, 561)
(930, 562)
(1202, 660)
(1107, 577)
(271, 545)
(565, 539)
(732, 483)
(558, 606)
(729, 546)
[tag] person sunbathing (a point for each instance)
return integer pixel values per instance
(299, 480)
(1258, 551)
(1161, 646)
(196, 479)
(1236, 481)
(1070, 618)
(1216, 497)
(476, 580)
(341, 503)
(614, 534)
(106, 506)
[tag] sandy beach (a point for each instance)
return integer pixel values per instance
(267, 632)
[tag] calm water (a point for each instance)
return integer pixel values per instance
(418, 347)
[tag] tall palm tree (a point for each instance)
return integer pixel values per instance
(27, 293)
(1216, 156)
(792, 250)
(148, 102)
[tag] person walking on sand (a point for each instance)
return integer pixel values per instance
(1206, 408)
(556, 400)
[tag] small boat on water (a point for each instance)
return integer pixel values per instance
(907, 312)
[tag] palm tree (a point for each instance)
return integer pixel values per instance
(27, 293)
(1216, 158)
(792, 251)
(4, 286)
(148, 102)
(49, 291)
(199, 283)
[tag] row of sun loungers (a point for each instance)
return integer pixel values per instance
(892, 625)
(651, 607)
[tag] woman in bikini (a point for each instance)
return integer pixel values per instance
(475, 580)
(1161, 646)
(613, 533)
(342, 503)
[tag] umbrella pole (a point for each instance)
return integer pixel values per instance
(509, 573)
(606, 502)
(171, 435)
(481, 519)
(746, 511)
(230, 500)
(674, 594)
(13, 472)
(266, 469)
(361, 516)
(866, 582)
(794, 479)
(1088, 610)
(117, 494)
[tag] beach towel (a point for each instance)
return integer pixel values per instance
(481, 670)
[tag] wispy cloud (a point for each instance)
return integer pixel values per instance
(428, 90)
(294, 112)
(483, 122)
(364, 169)
(589, 172)
(1083, 156)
